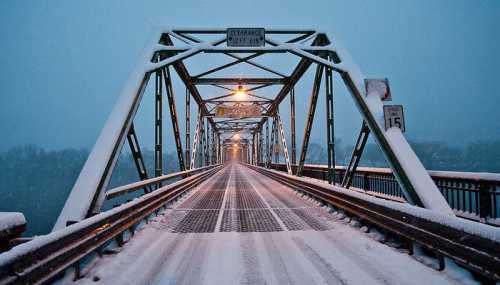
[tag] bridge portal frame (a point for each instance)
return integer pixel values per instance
(312, 47)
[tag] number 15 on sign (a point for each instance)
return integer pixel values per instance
(394, 117)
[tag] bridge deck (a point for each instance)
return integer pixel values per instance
(242, 227)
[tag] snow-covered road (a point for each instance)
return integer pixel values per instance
(240, 227)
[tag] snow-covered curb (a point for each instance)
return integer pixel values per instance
(471, 227)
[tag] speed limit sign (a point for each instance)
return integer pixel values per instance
(394, 117)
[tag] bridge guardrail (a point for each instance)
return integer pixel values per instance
(474, 196)
(473, 245)
(44, 258)
(129, 188)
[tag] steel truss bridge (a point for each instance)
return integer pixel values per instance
(244, 208)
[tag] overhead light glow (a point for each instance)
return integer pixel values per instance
(240, 93)
(235, 145)
(236, 137)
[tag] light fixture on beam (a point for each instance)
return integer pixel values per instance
(240, 93)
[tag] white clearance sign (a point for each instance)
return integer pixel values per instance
(246, 37)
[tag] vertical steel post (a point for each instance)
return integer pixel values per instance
(271, 145)
(261, 146)
(158, 124)
(330, 137)
(214, 148)
(292, 126)
(202, 141)
(188, 127)
(276, 142)
(207, 143)
(310, 117)
(173, 116)
(267, 144)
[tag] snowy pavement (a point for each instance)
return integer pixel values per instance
(240, 227)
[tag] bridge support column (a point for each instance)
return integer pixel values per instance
(330, 137)
(268, 153)
(158, 124)
(292, 126)
(202, 141)
(261, 144)
(206, 144)
(188, 128)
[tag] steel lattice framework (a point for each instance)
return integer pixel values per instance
(261, 133)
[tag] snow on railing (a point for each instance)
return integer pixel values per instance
(472, 195)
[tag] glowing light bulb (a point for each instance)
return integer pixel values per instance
(235, 145)
(240, 93)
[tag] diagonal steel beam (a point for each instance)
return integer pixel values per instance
(283, 143)
(310, 117)
(356, 155)
(173, 116)
(260, 66)
(196, 140)
(135, 149)
(227, 65)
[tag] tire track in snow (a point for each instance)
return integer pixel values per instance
(252, 273)
(190, 267)
(358, 259)
(329, 274)
(279, 269)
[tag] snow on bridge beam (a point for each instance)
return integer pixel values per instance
(238, 81)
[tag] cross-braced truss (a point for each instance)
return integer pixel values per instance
(217, 133)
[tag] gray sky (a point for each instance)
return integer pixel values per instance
(63, 63)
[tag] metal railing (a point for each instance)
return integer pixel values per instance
(473, 245)
(471, 195)
(45, 258)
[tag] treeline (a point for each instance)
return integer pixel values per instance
(37, 182)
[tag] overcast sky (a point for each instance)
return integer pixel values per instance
(63, 63)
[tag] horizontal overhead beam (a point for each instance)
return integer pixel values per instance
(236, 81)
(223, 31)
